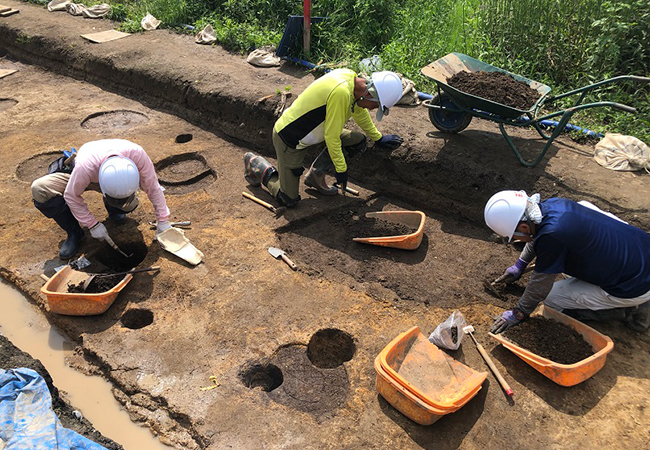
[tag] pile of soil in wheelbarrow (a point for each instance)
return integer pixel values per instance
(358, 225)
(551, 340)
(97, 285)
(495, 86)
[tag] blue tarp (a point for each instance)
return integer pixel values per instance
(27, 421)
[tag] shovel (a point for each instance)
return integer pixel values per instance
(277, 253)
(90, 279)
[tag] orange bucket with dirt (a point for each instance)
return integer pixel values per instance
(565, 374)
(67, 303)
(412, 219)
(422, 381)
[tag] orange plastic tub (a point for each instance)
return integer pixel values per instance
(405, 401)
(73, 304)
(421, 380)
(565, 374)
(412, 219)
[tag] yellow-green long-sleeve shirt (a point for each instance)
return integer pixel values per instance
(320, 113)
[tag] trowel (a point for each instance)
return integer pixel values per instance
(277, 253)
(110, 242)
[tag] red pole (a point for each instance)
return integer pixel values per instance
(306, 9)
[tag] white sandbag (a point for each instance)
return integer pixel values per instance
(149, 22)
(263, 57)
(618, 152)
(206, 36)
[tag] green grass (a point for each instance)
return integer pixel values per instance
(563, 43)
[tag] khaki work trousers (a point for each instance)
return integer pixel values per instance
(290, 163)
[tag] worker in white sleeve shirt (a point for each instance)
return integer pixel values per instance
(118, 167)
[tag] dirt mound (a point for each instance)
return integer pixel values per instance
(496, 86)
(551, 339)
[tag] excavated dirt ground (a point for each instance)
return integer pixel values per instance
(246, 318)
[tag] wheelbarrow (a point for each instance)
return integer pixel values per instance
(451, 110)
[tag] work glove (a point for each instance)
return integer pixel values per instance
(162, 226)
(508, 320)
(513, 273)
(390, 141)
(99, 232)
(342, 180)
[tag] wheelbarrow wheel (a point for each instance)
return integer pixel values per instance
(448, 121)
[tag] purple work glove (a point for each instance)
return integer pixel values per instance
(513, 273)
(390, 141)
(508, 320)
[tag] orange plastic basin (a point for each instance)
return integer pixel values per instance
(565, 374)
(421, 380)
(412, 219)
(74, 304)
(405, 401)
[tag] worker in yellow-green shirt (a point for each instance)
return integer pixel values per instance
(319, 115)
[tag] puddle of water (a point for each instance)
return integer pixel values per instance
(24, 325)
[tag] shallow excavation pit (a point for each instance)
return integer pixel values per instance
(265, 376)
(184, 173)
(137, 318)
(6, 103)
(36, 166)
(111, 121)
(330, 347)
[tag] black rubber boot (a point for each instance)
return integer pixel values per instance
(115, 214)
(57, 209)
(257, 169)
(315, 177)
(639, 318)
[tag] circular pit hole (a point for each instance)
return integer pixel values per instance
(115, 261)
(183, 138)
(330, 347)
(265, 376)
(137, 318)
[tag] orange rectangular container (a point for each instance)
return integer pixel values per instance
(422, 381)
(565, 374)
(76, 304)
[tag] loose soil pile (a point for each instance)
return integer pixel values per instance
(454, 334)
(97, 285)
(550, 339)
(496, 86)
(358, 225)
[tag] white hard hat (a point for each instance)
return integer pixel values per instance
(504, 211)
(119, 177)
(389, 91)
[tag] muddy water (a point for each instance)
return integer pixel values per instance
(23, 324)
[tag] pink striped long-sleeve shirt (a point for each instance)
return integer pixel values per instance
(86, 170)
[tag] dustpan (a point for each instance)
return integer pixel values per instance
(67, 303)
(565, 374)
(412, 219)
(174, 241)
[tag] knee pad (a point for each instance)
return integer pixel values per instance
(298, 171)
(356, 149)
(285, 200)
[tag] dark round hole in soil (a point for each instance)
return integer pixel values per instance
(116, 261)
(36, 166)
(183, 138)
(266, 376)
(137, 318)
(330, 347)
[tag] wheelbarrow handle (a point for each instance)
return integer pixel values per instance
(623, 107)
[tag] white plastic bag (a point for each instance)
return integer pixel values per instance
(442, 335)
(149, 22)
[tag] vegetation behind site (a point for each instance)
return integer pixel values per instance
(563, 43)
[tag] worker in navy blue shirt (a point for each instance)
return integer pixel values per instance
(607, 260)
